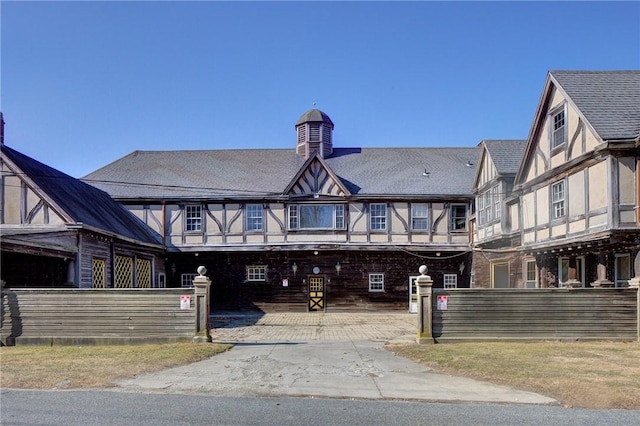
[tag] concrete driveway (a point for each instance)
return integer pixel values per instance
(332, 355)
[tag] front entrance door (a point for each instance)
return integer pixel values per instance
(316, 293)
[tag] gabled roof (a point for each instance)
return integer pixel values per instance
(504, 154)
(609, 100)
(260, 173)
(316, 178)
(79, 202)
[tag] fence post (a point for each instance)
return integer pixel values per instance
(202, 285)
(425, 327)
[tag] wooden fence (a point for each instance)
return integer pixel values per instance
(534, 314)
(97, 316)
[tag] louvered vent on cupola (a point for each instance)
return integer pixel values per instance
(314, 130)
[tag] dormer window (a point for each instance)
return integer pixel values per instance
(558, 136)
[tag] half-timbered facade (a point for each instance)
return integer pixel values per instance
(60, 232)
(497, 237)
(577, 186)
(313, 227)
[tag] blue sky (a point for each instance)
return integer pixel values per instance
(85, 83)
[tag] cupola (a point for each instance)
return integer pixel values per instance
(314, 129)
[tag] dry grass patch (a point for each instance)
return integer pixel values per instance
(580, 374)
(37, 367)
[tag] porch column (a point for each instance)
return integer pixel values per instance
(202, 285)
(572, 282)
(602, 280)
(71, 272)
(424, 283)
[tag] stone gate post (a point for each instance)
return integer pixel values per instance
(425, 317)
(202, 285)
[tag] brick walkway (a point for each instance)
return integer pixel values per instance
(307, 326)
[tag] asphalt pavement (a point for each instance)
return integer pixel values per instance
(320, 355)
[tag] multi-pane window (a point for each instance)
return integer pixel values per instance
(193, 218)
(623, 270)
(450, 281)
(419, 217)
(558, 199)
(497, 202)
(253, 214)
(256, 273)
(489, 205)
(559, 129)
(459, 217)
(530, 274)
(378, 217)
(376, 282)
(186, 280)
(316, 216)
(482, 213)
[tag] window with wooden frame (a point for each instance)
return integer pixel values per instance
(420, 217)
(558, 128)
(458, 217)
(378, 217)
(162, 280)
(376, 282)
(253, 215)
(530, 273)
(193, 218)
(256, 273)
(316, 216)
(450, 280)
(558, 199)
(496, 196)
(186, 280)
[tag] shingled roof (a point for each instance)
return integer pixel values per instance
(609, 100)
(83, 203)
(506, 154)
(258, 173)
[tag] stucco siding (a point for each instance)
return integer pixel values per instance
(576, 192)
(598, 190)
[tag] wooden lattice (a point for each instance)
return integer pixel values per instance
(143, 273)
(124, 272)
(99, 273)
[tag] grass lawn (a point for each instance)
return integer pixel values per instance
(38, 367)
(579, 374)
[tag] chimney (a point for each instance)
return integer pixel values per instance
(1, 129)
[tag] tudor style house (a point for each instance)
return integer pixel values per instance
(314, 227)
(574, 208)
(58, 231)
(497, 236)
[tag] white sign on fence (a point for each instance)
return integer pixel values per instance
(185, 302)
